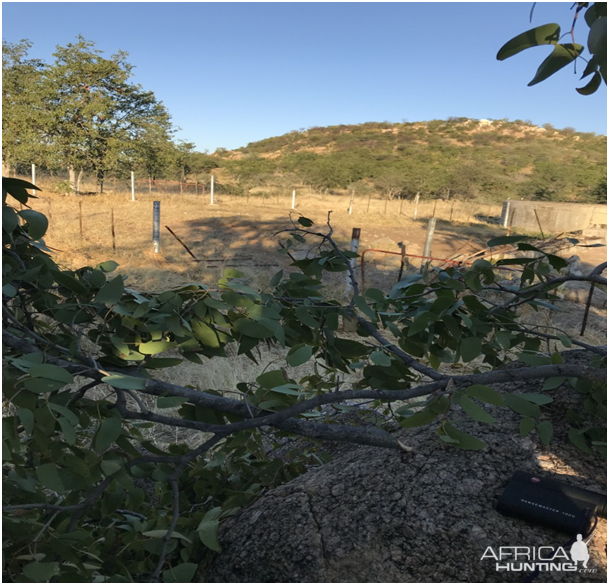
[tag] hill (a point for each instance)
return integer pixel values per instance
(483, 160)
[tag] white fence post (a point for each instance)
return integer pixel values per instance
(294, 199)
(211, 190)
(132, 186)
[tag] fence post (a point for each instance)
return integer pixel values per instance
(156, 226)
(351, 202)
(132, 186)
(113, 231)
(431, 226)
(33, 176)
(355, 235)
(293, 198)
(416, 205)
(211, 190)
(402, 248)
(505, 213)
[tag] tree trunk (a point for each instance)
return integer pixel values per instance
(78, 180)
(72, 179)
(100, 181)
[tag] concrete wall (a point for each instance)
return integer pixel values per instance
(554, 218)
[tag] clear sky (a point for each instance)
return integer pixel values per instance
(233, 73)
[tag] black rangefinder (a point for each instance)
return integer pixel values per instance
(551, 503)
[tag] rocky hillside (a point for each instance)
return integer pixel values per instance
(486, 160)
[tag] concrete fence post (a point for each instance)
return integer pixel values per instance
(431, 227)
(416, 205)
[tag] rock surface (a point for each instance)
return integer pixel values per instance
(424, 516)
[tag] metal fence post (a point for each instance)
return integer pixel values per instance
(156, 226)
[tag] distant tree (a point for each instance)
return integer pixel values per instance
(22, 106)
(599, 193)
(81, 112)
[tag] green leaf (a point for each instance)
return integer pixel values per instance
(153, 347)
(503, 240)
(522, 406)
(527, 424)
(208, 533)
(42, 385)
(418, 419)
(470, 348)
(204, 333)
(110, 467)
(380, 358)
(252, 329)
(65, 413)
(299, 354)
(36, 221)
(289, 389)
(591, 86)
(124, 382)
(170, 401)
(48, 476)
(560, 57)
(349, 348)
(363, 306)
(9, 219)
(579, 440)
(272, 379)
(18, 188)
(305, 317)
(109, 266)
(552, 383)
(160, 533)
(64, 279)
(475, 411)
(182, 573)
(109, 430)
(421, 322)
(305, 221)
(464, 441)
(276, 279)
(51, 372)
(546, 34)
(545, 431)
(26, 416)
(111, 292)
(41, 572)
(485, 394)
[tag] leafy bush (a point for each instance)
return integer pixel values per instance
(89, 498)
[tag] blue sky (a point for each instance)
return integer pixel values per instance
(234, 73)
